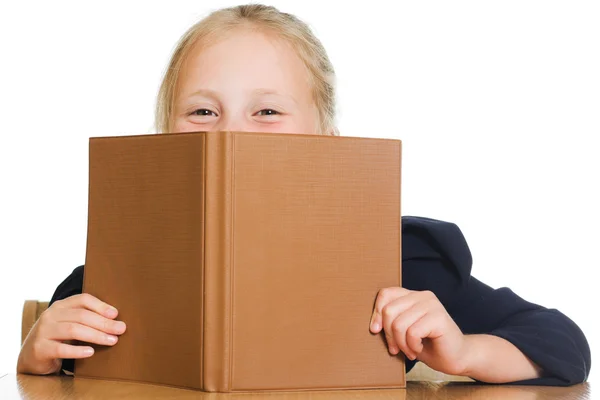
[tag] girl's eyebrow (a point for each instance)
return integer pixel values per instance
(208, 93)
(263, 91)
(205, 93)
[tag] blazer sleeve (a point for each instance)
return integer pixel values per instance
(72, 285)
(436, 257)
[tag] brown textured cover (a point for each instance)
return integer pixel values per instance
(244, 261)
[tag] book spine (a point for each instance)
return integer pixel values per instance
(217, 279)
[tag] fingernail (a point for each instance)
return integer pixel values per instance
(111, 339)
(375, 326)
(88, 351)
(120, 326)
(111, 312)
(393, 350)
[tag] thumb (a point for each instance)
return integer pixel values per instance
(375, 325)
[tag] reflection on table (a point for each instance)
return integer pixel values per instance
(19, 386)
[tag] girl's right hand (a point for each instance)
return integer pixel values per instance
(80, 317)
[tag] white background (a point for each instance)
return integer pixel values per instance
(497, 104)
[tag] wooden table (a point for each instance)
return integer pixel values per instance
(14, 386)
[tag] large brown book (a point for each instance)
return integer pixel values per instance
(244, 261)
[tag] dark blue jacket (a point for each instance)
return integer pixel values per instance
(436, 257)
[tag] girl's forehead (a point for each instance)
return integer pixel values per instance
(244, 60)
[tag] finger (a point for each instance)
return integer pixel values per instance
(390, 313)
(63, 350)
(403, 322)
(75, 331)
(87, 301)
(392, 310)
(91, 319)
(384, 297)
(421, 329)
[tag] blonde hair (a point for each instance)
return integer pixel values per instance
(286, 26)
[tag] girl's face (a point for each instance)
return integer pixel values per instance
(248, 82)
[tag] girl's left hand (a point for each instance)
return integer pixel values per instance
(416, 323)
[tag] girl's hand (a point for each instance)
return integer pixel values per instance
(81, 317)
(417, 324)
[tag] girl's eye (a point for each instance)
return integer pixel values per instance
(268, 111)
(203, 112)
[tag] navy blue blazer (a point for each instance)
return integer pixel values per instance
(436, 257)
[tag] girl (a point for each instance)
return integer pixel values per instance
(253, 68)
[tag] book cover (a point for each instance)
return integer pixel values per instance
(244, 261)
